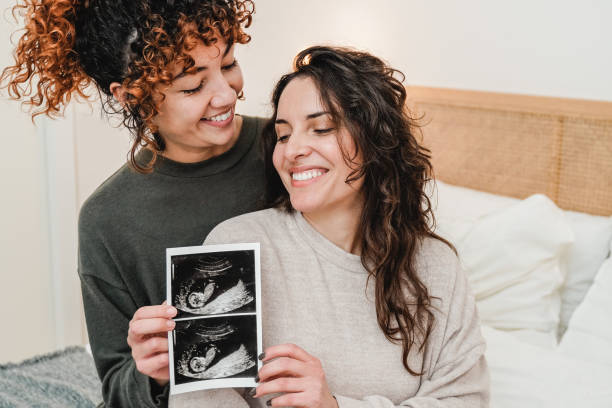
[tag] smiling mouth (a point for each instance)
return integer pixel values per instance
(219, 118)
(308, 174)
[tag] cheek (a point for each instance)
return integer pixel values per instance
(235, 79)
(277, 157)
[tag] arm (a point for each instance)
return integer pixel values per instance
(455, 371)
(109, 308)
(457, 375)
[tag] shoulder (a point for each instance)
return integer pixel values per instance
(438, 267)
(254, 226)
(109, 198)
(253, 124)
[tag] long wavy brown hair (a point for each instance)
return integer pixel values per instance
(68, 45)
(364, 94)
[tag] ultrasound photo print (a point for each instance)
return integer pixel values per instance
(215, 283)
(217, 338)
(215, 348)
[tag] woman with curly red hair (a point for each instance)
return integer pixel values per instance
(363, 304)
(168, 67)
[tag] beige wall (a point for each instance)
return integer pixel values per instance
(554, 48)
(25, 279)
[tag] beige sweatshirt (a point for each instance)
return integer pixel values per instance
(314, 294)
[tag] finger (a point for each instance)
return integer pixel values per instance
(295, 399)
(150, 312)
(153, 345)
(154, 365)
(282, 367)
(286, 350)
(146, 327)
(283, 384)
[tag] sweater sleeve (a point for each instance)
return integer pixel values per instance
(109, 308)
(107, 311)
(456, 373)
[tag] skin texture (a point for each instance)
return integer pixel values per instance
(210, 91)
(300, 376)
(147, 336)
(309, 140)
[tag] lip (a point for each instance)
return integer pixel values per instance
(303, 183)
(222, 123)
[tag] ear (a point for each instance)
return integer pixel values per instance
(118, 92)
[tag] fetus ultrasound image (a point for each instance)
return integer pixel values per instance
(213, 283)
(213, 348)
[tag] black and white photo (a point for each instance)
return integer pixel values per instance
(217, 336)
(215, 348)
(213, 283)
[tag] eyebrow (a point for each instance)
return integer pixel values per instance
(228, 47)
(308, 117)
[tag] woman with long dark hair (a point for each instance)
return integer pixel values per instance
(167, 67)
(363, 304)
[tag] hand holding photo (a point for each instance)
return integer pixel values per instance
(217, 336)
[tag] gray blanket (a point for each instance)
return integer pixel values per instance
(64, 378)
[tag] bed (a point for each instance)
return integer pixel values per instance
(524, 191)
(525, 194)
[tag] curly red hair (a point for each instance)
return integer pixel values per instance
(68, 44)
(45, 58)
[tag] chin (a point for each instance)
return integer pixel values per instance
(304, 206)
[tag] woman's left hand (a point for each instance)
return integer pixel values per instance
(299, 376)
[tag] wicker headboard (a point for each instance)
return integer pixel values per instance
(518, 145)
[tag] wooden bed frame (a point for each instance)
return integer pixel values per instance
(518, 145)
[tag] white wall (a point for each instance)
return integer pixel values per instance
(546, 47)
(24, 237)
(554, 48)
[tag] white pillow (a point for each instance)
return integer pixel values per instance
(527, 376)
(589, 334)
(593, 235)
(458, 208)
(512, 259)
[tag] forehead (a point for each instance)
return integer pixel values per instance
(300, 97)
(205, 55)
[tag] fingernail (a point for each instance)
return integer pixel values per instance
(262, 356)
(170, 324)
(256, 378)
(269, 403)
(171, 311)
(253, 392)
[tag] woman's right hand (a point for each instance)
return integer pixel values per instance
(148, 338)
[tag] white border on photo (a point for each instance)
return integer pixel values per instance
(246, 382)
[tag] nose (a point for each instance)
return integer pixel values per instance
(223, 93)
(297, 146)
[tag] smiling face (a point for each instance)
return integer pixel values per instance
(308, 153)
(196, 119)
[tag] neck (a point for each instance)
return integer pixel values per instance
(340, 227)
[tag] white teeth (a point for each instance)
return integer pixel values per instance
(220, 118)
(306, 175)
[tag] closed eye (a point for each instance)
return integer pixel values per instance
(230, 66)
(282, 139)
(194, 90)
(323, 131)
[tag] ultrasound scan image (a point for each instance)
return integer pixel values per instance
(214, 348)
(215, 283)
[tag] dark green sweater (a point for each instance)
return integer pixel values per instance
(124, 230)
